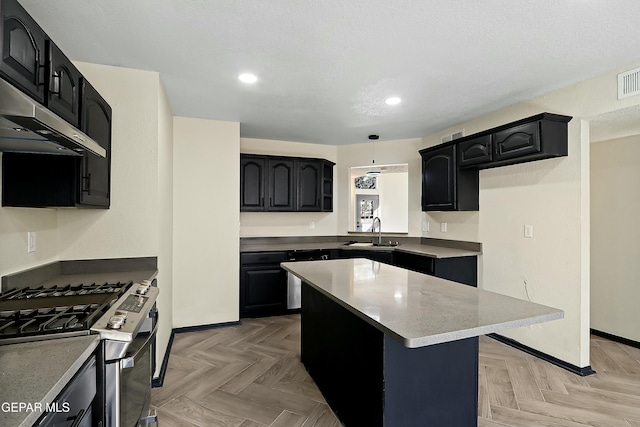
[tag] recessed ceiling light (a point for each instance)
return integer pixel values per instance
(394, 100)
(247, 78)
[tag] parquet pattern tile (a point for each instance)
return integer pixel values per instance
(250, 375)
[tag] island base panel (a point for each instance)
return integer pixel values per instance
(370, 379)
(344, 356)
(435, 385)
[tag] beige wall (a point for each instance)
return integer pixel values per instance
(14, 225)
(206, 161)
(552, 195)
(257, 224)
(615, 270)
(138, 222)
(165, 223)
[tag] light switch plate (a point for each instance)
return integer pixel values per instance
(312, 225)
(425, 226)
(443, 227)
(31, 241)
(528, 231)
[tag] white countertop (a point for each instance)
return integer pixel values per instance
(416, 309)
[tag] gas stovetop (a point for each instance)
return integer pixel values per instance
(31, 314)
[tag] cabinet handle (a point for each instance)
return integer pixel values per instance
(77, 419)
(57, 78)
(262, 202)
(86, 180)
(271, 201)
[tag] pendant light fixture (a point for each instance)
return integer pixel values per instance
(376, 171)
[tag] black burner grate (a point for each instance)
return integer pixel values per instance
(35, 313)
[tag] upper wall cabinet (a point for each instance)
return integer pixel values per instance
(445, 187)
(535, 138)
(285, 184)
(23, 45)
(63, 95)
(95, 171)
(33, 63)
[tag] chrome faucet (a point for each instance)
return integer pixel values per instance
(373, 229)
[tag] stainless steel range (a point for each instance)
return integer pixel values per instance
(125, 316)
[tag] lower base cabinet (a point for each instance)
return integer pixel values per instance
(263, 284)
(460, 269)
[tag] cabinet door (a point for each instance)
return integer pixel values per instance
(252, 178)
(23, 50)
(439, 179)
(95, 172)
(64, 86)
(475, 151)
(263, 291)
(517, 141)
(459, 269)
(281, 185)
(309, 177)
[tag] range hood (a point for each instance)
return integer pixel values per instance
(29, 127)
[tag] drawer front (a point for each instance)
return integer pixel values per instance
(475, 151)
(73, 405)
(263, 258)
(517, 141)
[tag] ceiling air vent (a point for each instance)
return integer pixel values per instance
(629, 83)
(454, 135)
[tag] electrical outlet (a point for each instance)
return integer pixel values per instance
(528, 231)
(31, 241)
(312, 225)
(425, 226)
(443, 227)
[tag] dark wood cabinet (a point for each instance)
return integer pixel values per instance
(252, 183)
(327, 186)
(445, 187)
(95, 171)
(281, 189)
(517, 141)
(373, 255)
(285, 184)
(475, 151)
(538, 137)
(23, 42)
(459, 269)
(34, 64)
(44, 180)
(63, 94)
(309, 177)
(263, 284)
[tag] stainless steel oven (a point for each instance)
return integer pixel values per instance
(129, 347)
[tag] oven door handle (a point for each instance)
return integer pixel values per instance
(130, 362)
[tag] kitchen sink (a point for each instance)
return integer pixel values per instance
(388, 243)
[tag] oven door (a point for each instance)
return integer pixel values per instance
(136, 373)
(128, 385)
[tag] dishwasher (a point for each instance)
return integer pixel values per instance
(293, 282)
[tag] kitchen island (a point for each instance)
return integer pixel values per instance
(392, 347)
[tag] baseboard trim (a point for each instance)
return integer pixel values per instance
(544, 356)
(204, 327)
(159, 381)
(616, 338)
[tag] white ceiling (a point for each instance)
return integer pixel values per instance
(325, 66)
